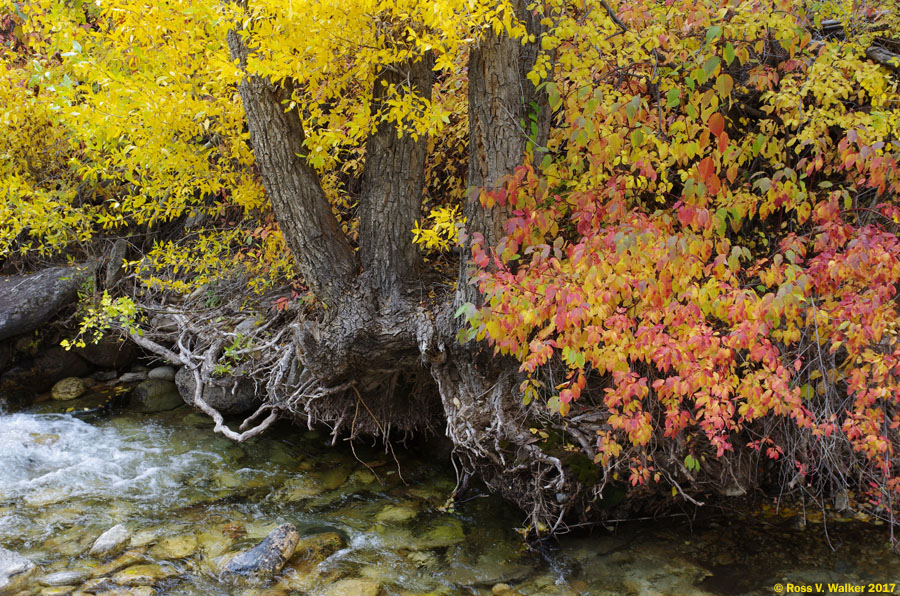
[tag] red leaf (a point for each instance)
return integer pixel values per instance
(716, 124)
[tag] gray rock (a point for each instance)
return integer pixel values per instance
(64, 578)
(166, 373)
(104, 375)
(228, 395)
(28, 301)
(111, 542)
(155, 395)
(267, 557)
(132, 377)
(14, 571)
(68, 388)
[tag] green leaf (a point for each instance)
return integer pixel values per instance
(637, 137)
(673, 98)
(713, 32)
(632, 106)
(729, 53)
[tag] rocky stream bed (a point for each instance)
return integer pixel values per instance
(124, 502)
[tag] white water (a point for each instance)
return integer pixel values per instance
(53, 454)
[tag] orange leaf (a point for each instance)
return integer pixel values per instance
(716, 124)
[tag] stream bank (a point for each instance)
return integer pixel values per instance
(186, 497)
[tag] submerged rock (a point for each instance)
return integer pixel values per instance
(268, 557)
(175, 547)
(155, 395)
(64, 578)
(14, 571)
(57, 591)
(111, 542)
(396, 513)
(448, 533)
(68, 388)
(353, 587)
(143, 575)
(318, 547)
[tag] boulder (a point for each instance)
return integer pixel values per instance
(110, 352)
(266, 558)
(68, 388)
(228, 395)
(155, 395)
(20, 384)
(111, 542)
(14, 571)
(28, 301)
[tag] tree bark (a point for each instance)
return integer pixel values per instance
(325, 257)
(500, 101)
(392, 185)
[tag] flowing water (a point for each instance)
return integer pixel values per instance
(188, 497)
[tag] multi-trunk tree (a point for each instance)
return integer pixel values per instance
(678, 259)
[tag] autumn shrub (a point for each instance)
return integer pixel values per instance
(706, 260)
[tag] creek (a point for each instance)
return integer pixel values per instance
(188, 497)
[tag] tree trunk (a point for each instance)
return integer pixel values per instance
(325, 257)
(501, 100)
(367, 352)
(393, 182)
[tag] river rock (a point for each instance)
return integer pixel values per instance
(396, 514)
(143, 575)
(268, 557)
(175, 547)
(228, 395)
(353, 587)
(318, 547)
(14, 571)
(155, 395)
(64, 578)
(28, 301)
(68, 388)
(133, 377)
(57, 591)
(111, 542)
(126, 559)
(447, 533)
(166, 373)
